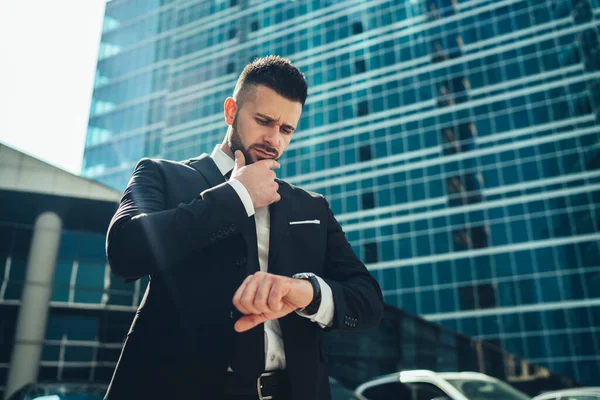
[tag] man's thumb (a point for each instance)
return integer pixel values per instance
(240, 160)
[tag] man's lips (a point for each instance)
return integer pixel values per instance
(264, 153)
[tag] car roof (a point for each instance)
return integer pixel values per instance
(569, 392)
(427, 374)
(417, 374)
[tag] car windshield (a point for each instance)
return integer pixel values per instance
(339, 392)
(487, 390)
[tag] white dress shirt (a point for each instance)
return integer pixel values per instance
(274, 346)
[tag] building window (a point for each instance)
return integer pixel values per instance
(230, 67)
(466, 297)
(370, 252)
(363, 108)
(444, 97)
(477, 296)
(357, 27)
(360, 66)
(368, 200)
(449, 139)
(466, 134)
(233, 3)
(479, 236)
(254, 26)
(486, 295)
(232, 33)
(459, 87)
(461, 240)
(364, 153)
(464, 189)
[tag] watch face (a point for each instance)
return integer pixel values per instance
(303, 275)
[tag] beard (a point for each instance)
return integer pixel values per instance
(235, 143)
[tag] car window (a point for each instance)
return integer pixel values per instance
(388, 391)
(583, 397)
(427, 391)
(475, 389)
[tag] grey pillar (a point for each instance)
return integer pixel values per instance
(33, 313)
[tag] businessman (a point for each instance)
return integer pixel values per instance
(247, 271)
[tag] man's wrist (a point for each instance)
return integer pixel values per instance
(313, 305)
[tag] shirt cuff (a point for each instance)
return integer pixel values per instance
(241, 190)
(324, 315)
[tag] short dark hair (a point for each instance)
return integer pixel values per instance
(276, 73)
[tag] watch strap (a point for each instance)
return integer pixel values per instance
(314, 305)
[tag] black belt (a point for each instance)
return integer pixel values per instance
(272, 385)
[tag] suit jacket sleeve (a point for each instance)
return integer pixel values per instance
(144, 238)
(356, 294)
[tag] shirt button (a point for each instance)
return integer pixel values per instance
(273, 357)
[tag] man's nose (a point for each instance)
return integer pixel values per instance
(272, 137)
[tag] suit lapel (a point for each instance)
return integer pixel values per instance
(279, 225)
(207, 168)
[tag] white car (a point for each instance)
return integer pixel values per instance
(429, 385)
(591, 393)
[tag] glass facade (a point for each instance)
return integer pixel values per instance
(457, 142)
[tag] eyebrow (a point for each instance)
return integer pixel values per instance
(271, 119)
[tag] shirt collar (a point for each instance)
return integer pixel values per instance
(223, 161)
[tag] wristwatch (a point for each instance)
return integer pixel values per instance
(313, 307)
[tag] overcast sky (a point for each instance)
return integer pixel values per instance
(48, 54)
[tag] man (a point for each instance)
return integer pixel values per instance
(247, 271)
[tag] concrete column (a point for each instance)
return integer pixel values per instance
(33, 313)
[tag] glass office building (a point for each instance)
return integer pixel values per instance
(457, 142)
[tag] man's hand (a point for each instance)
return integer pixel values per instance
(263, 297)
(258, 179)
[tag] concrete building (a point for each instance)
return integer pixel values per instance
(62, 315)
(456, 140)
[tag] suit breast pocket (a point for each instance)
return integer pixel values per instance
(306, 245)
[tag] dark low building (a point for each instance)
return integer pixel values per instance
(63, 316)
(407, 342)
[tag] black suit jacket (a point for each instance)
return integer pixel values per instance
(183, 225)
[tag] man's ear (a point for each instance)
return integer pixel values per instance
(229, 110)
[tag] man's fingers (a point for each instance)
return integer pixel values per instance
(271, 164)
(275, 295)
(262, 295)
(247, 299)
(240, 159)
(248, 322)
(237, 297)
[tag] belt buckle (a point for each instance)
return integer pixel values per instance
(259, 386)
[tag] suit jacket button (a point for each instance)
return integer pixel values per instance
(232, 227)
(231, 314)
(212, 237)
(226, 230)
